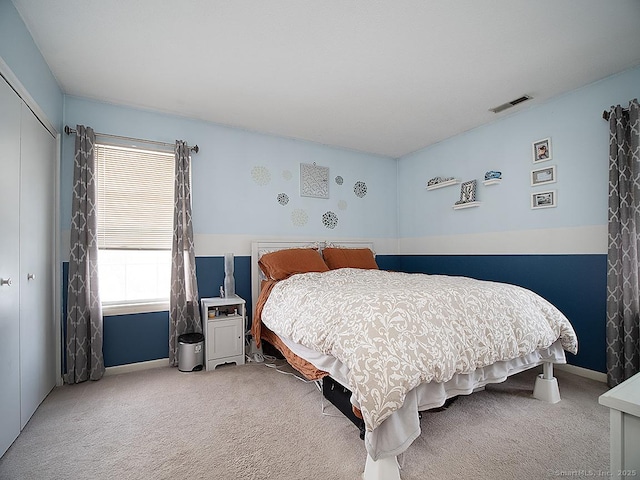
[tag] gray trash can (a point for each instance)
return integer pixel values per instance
(190, 352)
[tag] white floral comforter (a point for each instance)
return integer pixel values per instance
(396, 330)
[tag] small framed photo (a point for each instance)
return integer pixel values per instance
(467, 192)
(544, 199)
(543, 176)
(542, 150)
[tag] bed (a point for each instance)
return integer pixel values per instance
(401, 343)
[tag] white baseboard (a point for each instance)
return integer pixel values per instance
(582, 372)
(134, 367)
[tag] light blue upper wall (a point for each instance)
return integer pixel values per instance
(580, 142)
(226, 197)
(21, 55)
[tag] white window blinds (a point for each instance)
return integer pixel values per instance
(135, 198)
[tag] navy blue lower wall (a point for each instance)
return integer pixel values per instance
(135, 338)
(210, 273)
(576, 284)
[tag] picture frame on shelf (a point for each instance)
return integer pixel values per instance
(543, 176)
(542, 150)
(467, 192)
(546, 199)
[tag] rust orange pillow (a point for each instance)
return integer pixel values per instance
(349, 258)
(284, 263)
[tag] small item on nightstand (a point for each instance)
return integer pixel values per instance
(229, 280)
(212, 314)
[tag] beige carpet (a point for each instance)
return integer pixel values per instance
(251, 422)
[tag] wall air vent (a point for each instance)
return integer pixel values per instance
(510, 104)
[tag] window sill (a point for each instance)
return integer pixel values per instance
(131, 308)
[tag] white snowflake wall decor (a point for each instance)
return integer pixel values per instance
(299, 217)
(261, 175)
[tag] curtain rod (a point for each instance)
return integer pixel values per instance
(605, 114)
(68, 130)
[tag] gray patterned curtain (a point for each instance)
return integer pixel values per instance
(84, 310)
(184, 314)
(623, 302)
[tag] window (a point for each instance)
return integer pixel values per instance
(135, 225)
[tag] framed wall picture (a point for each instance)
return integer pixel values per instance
(314, 180)
(542, 150)
(542, 176)
(546, 199)
(467, 192)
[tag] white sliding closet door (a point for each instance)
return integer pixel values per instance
(37, 327)
(27, 212)
(10, 106)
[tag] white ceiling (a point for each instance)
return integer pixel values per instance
(382, 76)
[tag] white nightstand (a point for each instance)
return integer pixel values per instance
(224, 323)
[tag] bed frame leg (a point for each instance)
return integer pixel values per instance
(546, 387)
(382, 469)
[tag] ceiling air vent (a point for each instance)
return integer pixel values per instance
(510, 104)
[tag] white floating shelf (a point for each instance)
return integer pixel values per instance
(466, 205)
(448, 183)
(493, 181)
